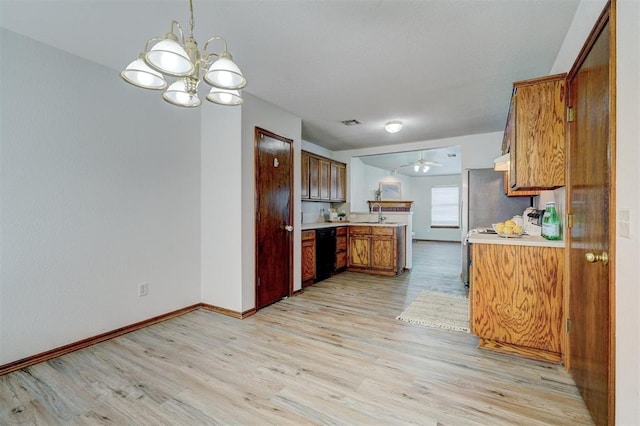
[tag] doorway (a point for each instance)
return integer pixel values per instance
(590, 355)
(274, 210)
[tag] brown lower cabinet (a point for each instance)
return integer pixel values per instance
(341, 248)
(308, 257)
(376, 250)
(516, 299)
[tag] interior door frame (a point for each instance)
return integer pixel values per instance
(256, 142)
(608, 15)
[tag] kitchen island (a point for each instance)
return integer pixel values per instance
(516, 293)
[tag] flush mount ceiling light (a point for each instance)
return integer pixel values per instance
(174, 56)
(393, 126)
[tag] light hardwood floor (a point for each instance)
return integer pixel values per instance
(334, 354)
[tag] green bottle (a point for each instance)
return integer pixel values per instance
(550, 222)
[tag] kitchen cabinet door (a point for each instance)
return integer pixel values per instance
(341, 248)
(494, 279)
(325, 172)
(359, 251)
(304, 171)
(338, 182)
(308, 257)
(383, 253)
(538, 126)
(314, 178)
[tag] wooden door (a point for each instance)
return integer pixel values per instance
(274, 242)
(590, 206)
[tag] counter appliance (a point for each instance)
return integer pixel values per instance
(325, 253)
(533, 221)
(484, 203)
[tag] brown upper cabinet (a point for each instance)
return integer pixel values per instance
(338, 181)
(304, 167)
(535, 133)
(323, 179)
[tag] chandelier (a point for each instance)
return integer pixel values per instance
(174, 56)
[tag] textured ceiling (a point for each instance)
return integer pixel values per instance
(444, 68)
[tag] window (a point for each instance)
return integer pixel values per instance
(445, 210)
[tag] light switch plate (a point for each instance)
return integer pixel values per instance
(624, 223)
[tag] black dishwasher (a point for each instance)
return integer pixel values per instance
(325, 253)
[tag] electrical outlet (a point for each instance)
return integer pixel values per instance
(143, 289)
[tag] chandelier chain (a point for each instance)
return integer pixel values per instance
(191, 22)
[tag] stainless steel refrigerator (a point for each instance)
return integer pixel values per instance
(484, 203)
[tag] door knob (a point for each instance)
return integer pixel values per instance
(288, 228)
(592, 258)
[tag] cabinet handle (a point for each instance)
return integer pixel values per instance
(288, 228)
(592, 258)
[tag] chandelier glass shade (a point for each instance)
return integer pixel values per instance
(173, 55)
(142, 75)
(183, 93)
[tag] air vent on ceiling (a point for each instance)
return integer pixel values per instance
(350, 122)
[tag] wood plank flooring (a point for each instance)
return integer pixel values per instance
(334, 354)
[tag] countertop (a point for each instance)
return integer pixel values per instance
(525, 240)
(320, 225)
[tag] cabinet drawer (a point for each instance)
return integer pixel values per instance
(360, 230)
(382, 230)
(308, 235)
(341, 231)
(341, 260)
(341, 243)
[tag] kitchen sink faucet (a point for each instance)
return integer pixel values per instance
(380, 217)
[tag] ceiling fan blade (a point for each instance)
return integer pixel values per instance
(432, 163)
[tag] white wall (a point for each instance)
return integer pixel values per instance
(421, 190)
(628, 197)
(257, 112)
(100, 191)
(366, 179)
(221, 225)
(627, 294)
(316, 149)
(359, 186)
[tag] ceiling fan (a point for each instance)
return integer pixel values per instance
(422, 164)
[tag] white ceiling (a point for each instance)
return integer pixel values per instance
(443, 67)
(448, 161)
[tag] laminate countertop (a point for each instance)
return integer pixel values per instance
(525, 240)
(320, 225)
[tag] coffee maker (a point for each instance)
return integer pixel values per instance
(532, 221)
